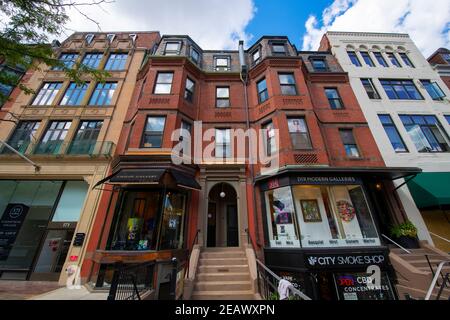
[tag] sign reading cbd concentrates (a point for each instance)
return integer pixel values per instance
(10, 224)
(339, 261)
(360, 286)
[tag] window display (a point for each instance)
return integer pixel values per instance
(320, 216)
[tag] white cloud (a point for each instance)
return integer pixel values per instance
(427, 22)
(213, 24)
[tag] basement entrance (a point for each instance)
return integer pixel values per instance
(223, 222)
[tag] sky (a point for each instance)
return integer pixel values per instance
(219, 24)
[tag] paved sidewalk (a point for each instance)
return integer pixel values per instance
(71, 294)
(23, 290)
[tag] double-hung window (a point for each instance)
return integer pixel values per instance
(426, 132)
(92, 60)
(153, 132)
(223, 143)
(24, 133)
(348, 139)
(334, 98)
(406, 60)
(270, 138)
(86, 137)
(172, 48)
(354, 58)
(393, 59)
(371, 91)
(380, 59)
(47, 94)
(367, 59)
(195, 56)
(298, 131)
(163, 83)
(222, 97)
(287, 84)
(401, 90)
(319, 65)
(53, 138)
(67, 59)
(116, 61)
(189, 90)
(278, 48)
(433, 90)
(103, 94)
(256, 56)
(392, 133)
(74, 94)
(186, 137)
(263, 94)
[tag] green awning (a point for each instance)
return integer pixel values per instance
(430, 189)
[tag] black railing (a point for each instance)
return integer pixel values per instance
(445, 280)
(194, 242)
(132, 282)
(268, 283)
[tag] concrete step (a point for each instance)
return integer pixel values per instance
(222, 262)
(223, 249)
(223, 295)
(424, 263)
(420, 294)
(223, 286)
(223, 268)
(413, 251)
(223, 276)
(445, 269)
(414, 256)
(222, 255)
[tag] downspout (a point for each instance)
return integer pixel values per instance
(244, 79)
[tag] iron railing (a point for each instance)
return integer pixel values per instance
(395, 243)
(268, 283)
(434, 282)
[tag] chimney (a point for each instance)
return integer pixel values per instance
(244, 68)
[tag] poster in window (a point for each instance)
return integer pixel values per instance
(282, 216)
(311, 211)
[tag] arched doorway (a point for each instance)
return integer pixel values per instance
(223, 221)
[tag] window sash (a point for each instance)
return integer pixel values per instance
(263, 93)
(371, 91)
(47, 94)
(287, 84)
(367, 59)
(406, 60)
(116, 61)
(86, 137)
(433, 90)
(299, 133)
(427, 137)
(92, 60)
(74, 94)
(68, 59)
(223, 143)
(394, 60)
(163, 83)
(153, 132)
(103, 94)
(222, 63)
(24, 133)
(401, 90)
(319, 64)
(278, 48)
(334, 98)
(354, 58)
(174, 48)
(380, 59)
(189, 90)
(53, 137)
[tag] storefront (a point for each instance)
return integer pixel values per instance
(150, 221)
(37, 226)
(322, 231)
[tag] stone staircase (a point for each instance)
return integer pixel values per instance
(223, 274)
(413, 272)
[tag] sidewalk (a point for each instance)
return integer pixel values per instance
(71, 294)
(23, 290)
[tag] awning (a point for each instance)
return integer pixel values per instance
(430, 189)
(150, 176)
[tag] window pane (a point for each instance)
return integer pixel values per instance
(74, 94)
(173, 221)
(222, 92)
(297, 125)
(155, 123)
(23, 135)
(221, 62)
(367, 59)
(172, 46)
(278, 48)
(354, 58)
(71, 202)
(116, 61)
(286, 78)
(53, 138)
(380, 59)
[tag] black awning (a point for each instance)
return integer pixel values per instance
(184, 180)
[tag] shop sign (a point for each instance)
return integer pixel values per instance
(361, 286)
(327, 261)
(10, 225)
(325, 180)
(137, 176)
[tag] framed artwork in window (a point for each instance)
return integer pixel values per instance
(310, 210)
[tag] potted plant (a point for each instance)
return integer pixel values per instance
(405, 234)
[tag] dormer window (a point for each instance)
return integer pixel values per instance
(222, 63)
(110, 37)
(172, 48)
(133, 37)
(279, 48)
(89, 38)
(319, 64)
(195, 56)
(256, 56)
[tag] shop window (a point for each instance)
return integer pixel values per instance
(154, 132)
(392, 133)
(323, 215)
(136, 228)
(380, 59)
(371, 91)
(426, 132)
(287, 84)
(350, 146)
(334, 98)
(53, 138)
(47, 94)
(71, 202)
(74, 94)
(281, 219)
(299, 133)
(172, 229)
(24, 133)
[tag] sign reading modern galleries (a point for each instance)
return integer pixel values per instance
(341, 261)
(10, 224)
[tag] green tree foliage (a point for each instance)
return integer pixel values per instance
(24, 38)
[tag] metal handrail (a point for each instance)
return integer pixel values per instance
(435, 279)
(194, 242)
(294, 291)
(438, 236)
(389, 239)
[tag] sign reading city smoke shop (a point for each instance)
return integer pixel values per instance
(10, 225)
(345, 261)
